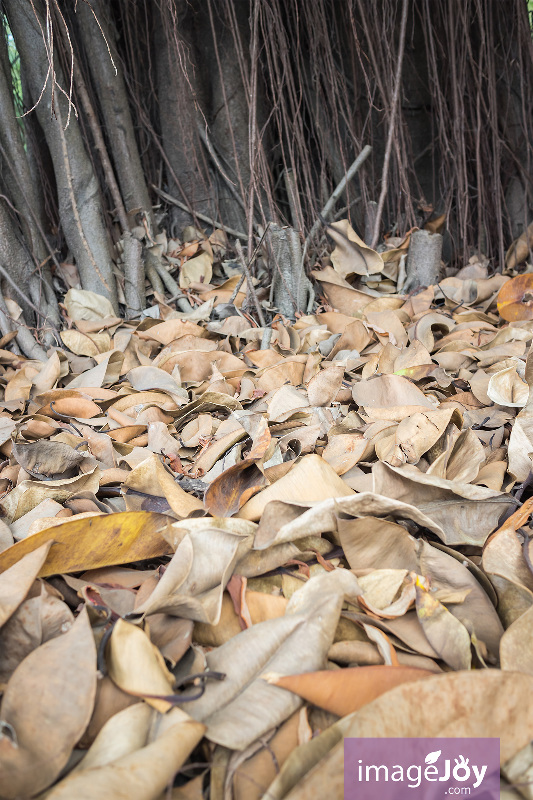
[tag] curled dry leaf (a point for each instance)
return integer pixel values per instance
(194, 581)
(444, 632)
(465, 513)
(242, 707)
(351, 255)
(311, 479)
(233, 488)
(82, 304)
(137, 667)
(35, 621)
(139, 774)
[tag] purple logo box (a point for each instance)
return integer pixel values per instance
(421, 769)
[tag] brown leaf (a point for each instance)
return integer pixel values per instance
(139, 774)
(228, 493)
(48, 459)
(137, 667)
(311, 479)
(446, 634)
(459, 704)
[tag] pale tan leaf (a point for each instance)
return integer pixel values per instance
(52, 690)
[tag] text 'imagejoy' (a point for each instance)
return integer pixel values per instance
(421, 769)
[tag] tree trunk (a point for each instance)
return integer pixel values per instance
(17, 263)
(79, 203)
(179, 95)
(108, 79)
(24, 192)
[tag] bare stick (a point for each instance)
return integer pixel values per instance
(265, 339)
(133, 275)
(235, 292)
(251, 289)
(168, 280)
(251, 261)
(292, 194)
(392, 125)
(370, 221)
(203, 217)
(252, 128)
(202, 132)
(351, 172)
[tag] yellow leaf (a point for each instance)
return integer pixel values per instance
(95, 542)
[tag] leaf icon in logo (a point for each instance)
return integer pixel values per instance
(432, 757)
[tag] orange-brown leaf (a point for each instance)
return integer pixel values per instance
(346, 690)
(515, 300)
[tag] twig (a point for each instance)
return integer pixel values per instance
(170, 283)
(235, 292)
(265, 339)
(338, 214)
(351, 172)
(392, 125)
(203, 217)
(211, 150)
(251, 289)
(250, 262)
(252, 126)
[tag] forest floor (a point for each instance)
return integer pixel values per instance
(217, 561)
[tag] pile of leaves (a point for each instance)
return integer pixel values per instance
(219, 560)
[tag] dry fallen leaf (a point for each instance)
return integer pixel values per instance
(351, 254)
(99, 542)
(137, 667)
(139, 774)
(347, 690)
(46, 707)
(16, 580)
(342, 507)
(515, 300)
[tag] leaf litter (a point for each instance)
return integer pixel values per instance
(217, 560)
